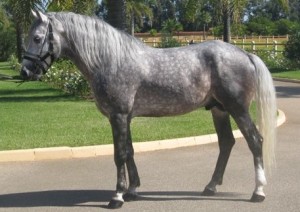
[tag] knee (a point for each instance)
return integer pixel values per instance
(231, 142)
(227, 146)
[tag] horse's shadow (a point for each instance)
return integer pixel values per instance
(99, 198)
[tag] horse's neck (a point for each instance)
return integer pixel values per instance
(98, 54)
(109, 47)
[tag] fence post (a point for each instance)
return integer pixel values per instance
(275, 47)
(243, 41)
(253, 46)
(267, 42)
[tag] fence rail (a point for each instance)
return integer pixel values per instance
(252, 46)
(248, 42)
(200, 34)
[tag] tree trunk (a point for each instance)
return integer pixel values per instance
(19, 33)
(117, 14)
(204, 36)
(132, 24)
(226, 24)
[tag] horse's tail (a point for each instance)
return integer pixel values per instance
(266, 110)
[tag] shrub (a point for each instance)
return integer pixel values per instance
(7, 39)
(276, 61)
(292, 48)
(153, 32)
(64, 75)
(14, 63)
(285, 26)
(167, 41)
(261, 26)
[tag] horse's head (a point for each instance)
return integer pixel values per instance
(44, 47)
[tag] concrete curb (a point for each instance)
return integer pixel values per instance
(286, 80)
(100, 150)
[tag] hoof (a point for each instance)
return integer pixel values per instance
(209, 192)
(257, 198)
(128, 197)
(114, 204)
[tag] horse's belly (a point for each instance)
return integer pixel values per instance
(154, 103)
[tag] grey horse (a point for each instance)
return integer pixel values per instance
(130, 79)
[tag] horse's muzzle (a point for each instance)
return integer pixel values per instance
(26, 74)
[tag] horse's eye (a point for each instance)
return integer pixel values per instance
(37, 39)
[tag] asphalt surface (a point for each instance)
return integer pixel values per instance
(172, 180)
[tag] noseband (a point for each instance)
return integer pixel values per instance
(38, 59)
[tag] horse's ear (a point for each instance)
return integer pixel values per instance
(33, 13)
(42, 16)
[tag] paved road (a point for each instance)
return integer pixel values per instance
(172, 180)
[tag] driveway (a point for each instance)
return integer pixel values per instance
(172, 180)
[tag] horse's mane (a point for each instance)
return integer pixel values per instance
(95, 41)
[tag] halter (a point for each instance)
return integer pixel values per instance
(39, 59)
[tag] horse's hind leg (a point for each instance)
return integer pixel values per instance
(226, 142)
(254, 141)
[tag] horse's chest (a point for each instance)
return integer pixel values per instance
(115, 96)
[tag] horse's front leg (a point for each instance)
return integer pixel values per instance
(120, 132)
(134, 180)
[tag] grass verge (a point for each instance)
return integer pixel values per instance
(293, 74)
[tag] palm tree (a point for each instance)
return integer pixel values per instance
(60, 5)
(170, 26)
(86, 7)
(228, 10)
(137, 10)
(206, 19)
(232, 9)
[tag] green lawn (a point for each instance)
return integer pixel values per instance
(287, 74)
(36, 115)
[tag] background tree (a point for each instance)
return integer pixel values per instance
(162, 10)
(137, 11)
(7, 35)
(60, 5)
(233, 11)
(294, 8)
(228, 11)
(292, 48)
(188, 12)
(205, 19)
(116, 13)
(171, 26)
(86, 7)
